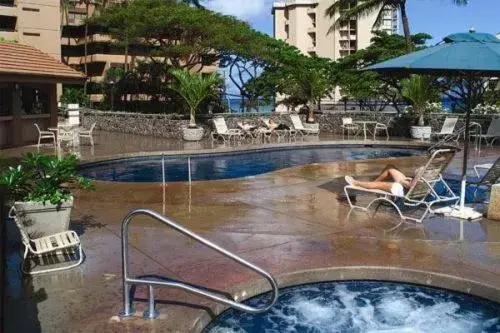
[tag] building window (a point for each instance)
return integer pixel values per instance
(34, 34)
(75, 17)
(6, 99)
(9, 3)
(8, 23)
(28, 9)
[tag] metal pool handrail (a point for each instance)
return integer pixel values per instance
(218, 297)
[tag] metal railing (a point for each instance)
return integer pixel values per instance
(151, 313)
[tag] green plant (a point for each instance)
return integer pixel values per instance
(194, 88)
(74, 96)
(420, 90)
(43, 178)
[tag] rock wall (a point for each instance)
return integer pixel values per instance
(170, 125)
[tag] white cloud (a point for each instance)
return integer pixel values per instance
(242, 9)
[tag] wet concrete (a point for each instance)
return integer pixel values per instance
(289, 222)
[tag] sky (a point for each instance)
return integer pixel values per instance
(439, 18)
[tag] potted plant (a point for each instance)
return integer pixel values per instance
(41, 188)
(420, 90)
(194, 88)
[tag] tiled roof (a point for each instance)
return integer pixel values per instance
(26, 60)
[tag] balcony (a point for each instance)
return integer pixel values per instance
(311, 30)
(7, 3)
(311, 11)
(311, 49)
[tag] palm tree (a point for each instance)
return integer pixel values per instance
(355, 9)
(194, 88)
(420, 90)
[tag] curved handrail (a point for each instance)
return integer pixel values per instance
(211, 295)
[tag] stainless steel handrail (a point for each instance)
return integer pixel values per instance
(218, 297)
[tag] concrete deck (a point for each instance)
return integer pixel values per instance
(288, 222)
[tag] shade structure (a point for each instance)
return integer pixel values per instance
(468, 55)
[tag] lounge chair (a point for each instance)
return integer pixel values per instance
(421, 193)
(65, 135)
(349, 126)
(447, 130)
(492, 134)
(299, 127)
(280, 133)
(42, 135)
(222, 132)
(491, 177)
(379, 127)
(49, 249)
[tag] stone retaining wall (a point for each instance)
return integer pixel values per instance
(170, 125)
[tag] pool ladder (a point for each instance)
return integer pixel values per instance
(151, 313)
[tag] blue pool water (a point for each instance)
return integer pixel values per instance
(364, 307)
(231, 165)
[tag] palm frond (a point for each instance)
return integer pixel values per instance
(361, 10)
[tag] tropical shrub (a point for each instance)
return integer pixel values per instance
(420, 91)
(74, 96)
(43, 178)
(485, 109)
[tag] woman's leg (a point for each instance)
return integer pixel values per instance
(395, 174)
(375, 185)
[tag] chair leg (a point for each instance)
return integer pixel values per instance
(39, 140)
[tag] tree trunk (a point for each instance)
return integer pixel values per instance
(421, 121)
(406, 26)
(311, 106)
(192, 121)
(85, 48)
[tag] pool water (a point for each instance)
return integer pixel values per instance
(364, 307)
(231, 165)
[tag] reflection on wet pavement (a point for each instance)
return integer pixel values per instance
(286, 221)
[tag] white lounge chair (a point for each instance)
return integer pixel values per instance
(222, 132)
(349, 126)
(492, 134)
(281, 133)
(421, 193)
(65, 135)
(88, 134)
(45, 135)
(299, 127)
(447, 130)
(379, 127)
(49, 249)
(491, 177)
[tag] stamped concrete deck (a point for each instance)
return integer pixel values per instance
(288, 222)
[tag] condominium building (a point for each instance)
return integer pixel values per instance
(32, 22)
(303, 23)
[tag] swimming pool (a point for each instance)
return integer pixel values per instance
(231, 165)
(364, 307)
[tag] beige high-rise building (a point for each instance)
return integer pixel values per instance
(32, 22)
(303, 23)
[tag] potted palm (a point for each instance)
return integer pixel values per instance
(194, 88)
(41, 188)
(420, 91)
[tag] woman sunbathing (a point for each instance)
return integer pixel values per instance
(397, 186)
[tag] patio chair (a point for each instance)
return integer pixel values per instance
(447, 130)
(349, 126)
(222, 132)
(492, 134)
(299, 127)
(490, 178)
(45, 135)
(421, 192)
(48, 249)
(280, 133)
(65, 135)
(88, 134)
(380, 127)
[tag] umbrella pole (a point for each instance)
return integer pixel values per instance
(466, 143)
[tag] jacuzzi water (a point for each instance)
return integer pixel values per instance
(364, 307)
(231, 165)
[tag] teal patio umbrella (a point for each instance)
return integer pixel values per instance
(467, 55)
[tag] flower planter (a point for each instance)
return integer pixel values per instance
(44, 219)
(421, 132)
(192, 134)
(312, 126)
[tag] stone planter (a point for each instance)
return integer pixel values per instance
(421, 132)
(192, 134)
(44, 219)
(311, 126)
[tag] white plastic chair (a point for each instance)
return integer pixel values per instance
(45, 135)
(65, 135)
(447, 129)
(88, 134)
(349, 126)
(380, 127)
(299, 127)
(221, 131)
(48, 249)
(492, 134)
